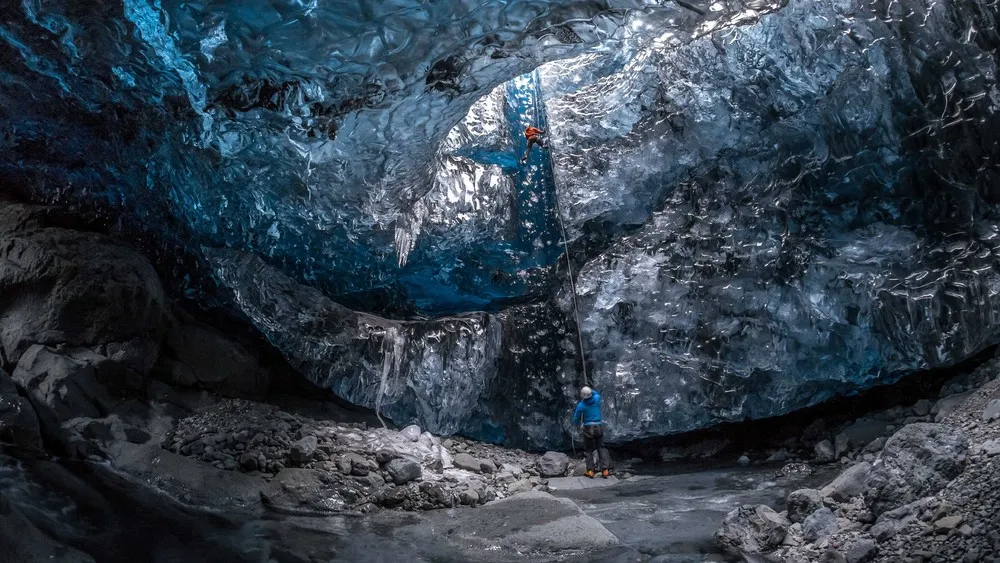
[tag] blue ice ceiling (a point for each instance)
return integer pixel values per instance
(767, 203)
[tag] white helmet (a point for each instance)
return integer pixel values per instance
(586, 392)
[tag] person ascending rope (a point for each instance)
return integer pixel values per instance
(534, 137)
(588, 415)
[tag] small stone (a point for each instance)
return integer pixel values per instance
(819, 524)
(802, 503)
(467, 462)
(403, 470)
(744, 460)
(468, 497)
(521, 486)
(303, 450)
(948, 522)
(411, 433)
(992, 411)
(487, 466)
(863, 551)
(991, 448)
(824, 451)
(344, 464)
(384, 456)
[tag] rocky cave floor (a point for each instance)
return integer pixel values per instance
(928, 493)
(916, 483)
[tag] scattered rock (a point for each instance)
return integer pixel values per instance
(849, 484)
(948, 523)
(802, 503)
(819, 524)
(863, 551)
(303, 450)
(468, 497)
(992, 411)
(990, 448)
(403, 471)
(947, 405)
(744, 460)
(752, 530)
(824, 452)
(467, 462)
(519, 487)
(553, 464)
(917, 461)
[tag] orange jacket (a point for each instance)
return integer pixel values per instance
(531, 131)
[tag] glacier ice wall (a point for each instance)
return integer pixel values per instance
(768, 202)
(808, 207)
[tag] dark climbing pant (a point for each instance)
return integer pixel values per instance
(533, 141)
(593, 444)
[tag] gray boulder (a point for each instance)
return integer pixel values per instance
(553, 464)
(917, 461)
(302, 451)
(76, 288)
(402, 470)
(863, 551)
(303, 491)
(18, 422)
(802, 503)
(992, 411)
(752, 530)
(849, 484)
(62, 386)
(467, 462)
(411, 432)
(819, 524)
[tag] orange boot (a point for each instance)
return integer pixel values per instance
(606, 473)
(589, 473)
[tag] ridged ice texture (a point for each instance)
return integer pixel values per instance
(765, 211)
(307, 132)
(813, 201)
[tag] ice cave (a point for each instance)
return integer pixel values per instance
(658, 281)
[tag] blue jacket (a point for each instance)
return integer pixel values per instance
(588, 411)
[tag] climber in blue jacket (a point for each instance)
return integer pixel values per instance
(588, 415)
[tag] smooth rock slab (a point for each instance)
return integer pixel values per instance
(578, 483)
(467, 462)
(530, 522)
(848, 484)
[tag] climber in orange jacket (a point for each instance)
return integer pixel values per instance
(534, 137)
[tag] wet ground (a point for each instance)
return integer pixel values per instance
(666, 517)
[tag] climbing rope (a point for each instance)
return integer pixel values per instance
(569, 271)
